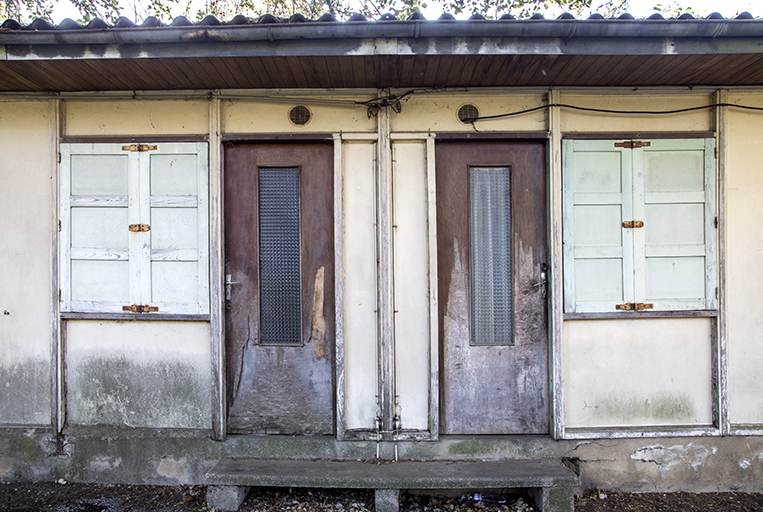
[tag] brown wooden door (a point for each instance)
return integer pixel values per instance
(279, 259)
(491, 241)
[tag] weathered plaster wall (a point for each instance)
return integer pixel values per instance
(581, 121)
(269, 116)
(139, 374)
(436, 111)
(691, 464)
(136, 117)
(25, 263)
(744, 203)
(637, 372)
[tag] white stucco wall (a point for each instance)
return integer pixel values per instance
(136, 117)
(637, 372)
(25, 263)
(744, 204)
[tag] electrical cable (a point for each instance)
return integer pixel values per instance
(611, 111)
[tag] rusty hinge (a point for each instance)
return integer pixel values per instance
(138, 147)
(139, 228)
(634, 306)
(633, 224)
(633, 144)
(138, 308)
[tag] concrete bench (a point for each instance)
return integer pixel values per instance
(550, 482)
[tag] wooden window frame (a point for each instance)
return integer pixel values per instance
(139, 253)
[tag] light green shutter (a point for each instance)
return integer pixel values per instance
(94, 265)
(598, 264)
(678, 238)
(670, 262)
(105, 266)
(176, 274)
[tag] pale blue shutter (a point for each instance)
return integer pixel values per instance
(174, 204)
(676, 269)
(94, 264)
(598, 262)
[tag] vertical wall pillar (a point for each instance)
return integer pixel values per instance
(57, 343)
(386, 277)
(216, 261)
(555, 317)
(720, 366)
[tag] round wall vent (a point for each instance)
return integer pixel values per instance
(300, 115)
(468, 113)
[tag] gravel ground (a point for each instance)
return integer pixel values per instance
(59, 497)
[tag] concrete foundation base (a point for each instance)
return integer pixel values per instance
(387, 500)
(554, 499)
(225, 497)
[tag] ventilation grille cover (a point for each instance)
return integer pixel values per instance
(468, 113)
(300, 115)
(280, 293)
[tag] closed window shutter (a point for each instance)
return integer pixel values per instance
(105, 266)
(176, 180)
(670, 262)
(598, 259)
(678, 258)
(95, 262)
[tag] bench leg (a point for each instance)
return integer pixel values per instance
(387, 500)
(225, 497)
(555, 499)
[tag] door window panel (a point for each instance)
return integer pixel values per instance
(490, 258)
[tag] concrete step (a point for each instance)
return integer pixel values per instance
(550, 481)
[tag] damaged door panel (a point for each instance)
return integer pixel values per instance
(491, 244)
(280, 294)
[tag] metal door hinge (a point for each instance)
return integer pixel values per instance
(633, 224)
(59, 157)
(139, 147)
(138, 308)
(716, 222)
(139, 228)
(633, 144)
(634, 306)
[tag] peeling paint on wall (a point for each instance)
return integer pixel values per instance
(678, 455)
(318, 330)
(177, 470)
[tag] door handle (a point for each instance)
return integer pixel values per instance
(542, 285)
(229, 285)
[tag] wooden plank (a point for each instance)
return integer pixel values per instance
(641, 314)
(457, 64)
(721, 367)
(432, 69)
(322, 70)
(343, 67)
(239, 74)
(200, 69)
(223, 78)
(253, 74)
(529, 75)
(750, 67)
(295, 68)
(57, 376)
(508, 66)
(443, 70)
(105, 77)
(467, 72)
(405, 69)
(553, 65)
(341, 421)
(555, 283)
(189, 69)
(216, 274)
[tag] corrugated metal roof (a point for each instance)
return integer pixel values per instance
(269, 52)
(269, 19)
